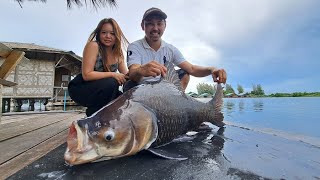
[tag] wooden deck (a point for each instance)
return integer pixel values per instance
(25, 138)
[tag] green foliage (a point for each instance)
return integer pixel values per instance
(240, 89)
(205, 88)
(280, 95)
(257, 90)
(229, 89)
(296, 94)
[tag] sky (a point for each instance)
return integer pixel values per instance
(272, 43)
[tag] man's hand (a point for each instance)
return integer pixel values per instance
(219, 75)
(153, 69)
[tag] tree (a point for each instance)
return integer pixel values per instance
(240, 89)
(95, 3)
(229, 89)
(205, 88)
(257, 90)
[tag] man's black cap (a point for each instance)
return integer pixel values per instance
(154, 12)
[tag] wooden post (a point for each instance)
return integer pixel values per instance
(11, 60)
(10, 63)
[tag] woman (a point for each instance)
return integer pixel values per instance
(102, 57)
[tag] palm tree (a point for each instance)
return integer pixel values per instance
(95, 3)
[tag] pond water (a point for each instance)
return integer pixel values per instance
(294, 115)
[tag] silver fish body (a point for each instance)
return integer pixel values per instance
(146, 116)
(176, 112)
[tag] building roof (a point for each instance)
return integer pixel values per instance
(62, 58)
(35, 47)
(30, 46)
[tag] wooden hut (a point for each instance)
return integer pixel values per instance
(43, 78)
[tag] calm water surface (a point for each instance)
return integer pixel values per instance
(298, 116)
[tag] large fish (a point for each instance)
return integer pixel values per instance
(145, 117)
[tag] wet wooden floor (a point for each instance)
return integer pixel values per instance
(27, 137)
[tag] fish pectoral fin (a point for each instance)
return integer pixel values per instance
(166, 154)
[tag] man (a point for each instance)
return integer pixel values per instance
(146, 57)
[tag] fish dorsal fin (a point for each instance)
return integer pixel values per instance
(172, 75)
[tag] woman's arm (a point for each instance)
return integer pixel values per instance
(122, 66)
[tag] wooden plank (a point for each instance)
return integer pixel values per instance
(14, 147)
(7, 83)
(10, 63)
(11, 130)
(18, 118)
(4, 50)
(9, 168)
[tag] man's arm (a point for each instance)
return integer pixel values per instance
(218, 75)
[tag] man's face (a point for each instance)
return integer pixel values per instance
(153, 28)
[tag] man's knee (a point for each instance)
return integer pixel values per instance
(181, 73)
(184, 78)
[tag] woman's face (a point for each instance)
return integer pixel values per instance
(107, 35)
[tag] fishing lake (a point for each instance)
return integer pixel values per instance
(296, 116)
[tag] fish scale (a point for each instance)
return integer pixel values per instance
(183, 113)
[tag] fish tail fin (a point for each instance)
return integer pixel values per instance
(216, 102)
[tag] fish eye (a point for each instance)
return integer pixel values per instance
(109, 135)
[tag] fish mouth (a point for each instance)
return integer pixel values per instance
(79, 148)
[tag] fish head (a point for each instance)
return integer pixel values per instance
(117, 130)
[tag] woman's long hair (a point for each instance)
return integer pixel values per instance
(121, 42)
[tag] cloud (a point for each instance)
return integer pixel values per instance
(200, 53)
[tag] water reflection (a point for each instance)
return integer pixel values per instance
(216, 140)
(258, 105)
(228, 107)
(241, 105)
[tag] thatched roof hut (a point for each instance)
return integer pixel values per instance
(44, 76)
(62, 58)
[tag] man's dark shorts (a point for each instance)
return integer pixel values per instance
(130, 84)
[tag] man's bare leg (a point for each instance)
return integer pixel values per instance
(185, 81)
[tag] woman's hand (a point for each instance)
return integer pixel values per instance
(121, 78)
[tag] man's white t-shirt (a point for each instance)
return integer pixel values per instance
(139, 52)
